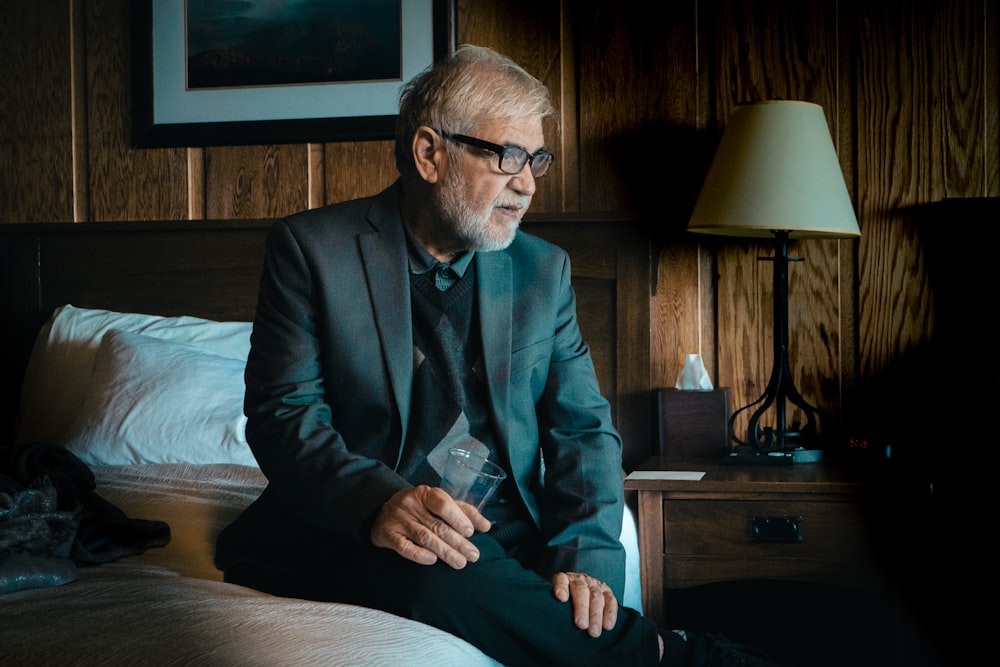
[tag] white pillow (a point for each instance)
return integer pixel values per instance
(155, 401)
(63, 359)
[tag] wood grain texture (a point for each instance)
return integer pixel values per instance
(676, 313)
(357, 169)
(569, 115)
(36, 182)
(639, 90)
(991, 97)
(78, 103)
(843, 133)
(895, 170)
(256, 181)
(923, 135)
(316, 173)
(124, 183)
(957, 84)
(683, 300)
(745, 317)
(196, 183)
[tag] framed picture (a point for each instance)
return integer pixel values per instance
(214, 73)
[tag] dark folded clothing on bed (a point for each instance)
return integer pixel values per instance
(52, 519)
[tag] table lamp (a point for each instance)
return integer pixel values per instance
(776, 175)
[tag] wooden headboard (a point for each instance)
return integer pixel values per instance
(211, 269)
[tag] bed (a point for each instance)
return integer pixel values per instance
(126, 348)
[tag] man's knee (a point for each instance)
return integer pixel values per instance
(494, 579)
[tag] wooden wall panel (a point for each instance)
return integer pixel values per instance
(957, 84)
(927, 99)
(686, 270)
(358, 169)
(256, 181)
(682, 317)
(643, 149)
(991, 97)
(745, 319)
(639, 108)
(36, 165)
(123, 183)
(896, 161)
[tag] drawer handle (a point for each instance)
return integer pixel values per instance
(782, 529)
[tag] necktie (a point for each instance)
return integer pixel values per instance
(444, 277)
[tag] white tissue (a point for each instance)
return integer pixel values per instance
(693, 375)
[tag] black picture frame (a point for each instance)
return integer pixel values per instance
(196, 119)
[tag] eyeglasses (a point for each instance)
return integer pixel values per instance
(512, 158)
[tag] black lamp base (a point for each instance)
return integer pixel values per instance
(777, 442)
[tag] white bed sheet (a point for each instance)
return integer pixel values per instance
(169, 606)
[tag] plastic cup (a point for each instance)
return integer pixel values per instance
(470, 478)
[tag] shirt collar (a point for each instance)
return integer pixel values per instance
(422, 261)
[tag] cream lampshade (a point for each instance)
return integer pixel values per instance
(776, 175)
(776, 169)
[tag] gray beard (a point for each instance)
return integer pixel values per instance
(471, 227)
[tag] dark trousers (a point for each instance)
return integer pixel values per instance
(496, 604)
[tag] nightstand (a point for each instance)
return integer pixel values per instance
(802, 522)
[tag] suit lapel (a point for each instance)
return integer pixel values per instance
(495, 314)
(383, 253)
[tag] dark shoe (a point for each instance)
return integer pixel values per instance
(714, 650)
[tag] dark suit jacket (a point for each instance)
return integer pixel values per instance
(331, 367)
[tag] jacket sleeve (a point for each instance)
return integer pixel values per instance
(581, 500)
(312, 472)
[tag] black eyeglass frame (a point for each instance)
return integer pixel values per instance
(540, 160)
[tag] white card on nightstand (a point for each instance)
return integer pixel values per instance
(691, 475)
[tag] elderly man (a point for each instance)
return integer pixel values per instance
(393, 328)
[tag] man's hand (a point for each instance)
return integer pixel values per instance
(595, 607)
(424, 524)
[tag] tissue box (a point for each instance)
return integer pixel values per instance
(693, 424)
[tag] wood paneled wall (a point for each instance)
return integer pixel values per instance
(911, 90)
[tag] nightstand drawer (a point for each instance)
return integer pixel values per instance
(776, 528)
(725, 540)
(702, 523)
